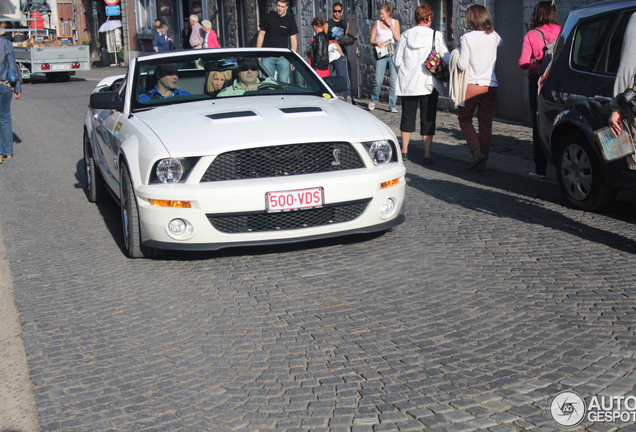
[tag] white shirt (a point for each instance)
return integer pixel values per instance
(478, 54)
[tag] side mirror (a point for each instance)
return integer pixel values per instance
(106, 100)
(337, 84)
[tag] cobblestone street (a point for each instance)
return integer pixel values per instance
(489, 300)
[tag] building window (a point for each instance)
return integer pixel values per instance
(145, 16)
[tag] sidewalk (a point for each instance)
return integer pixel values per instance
(511, 150)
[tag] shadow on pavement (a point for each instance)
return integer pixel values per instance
(518, 206)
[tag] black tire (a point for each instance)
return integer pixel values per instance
(52, 77)
(130, 219)
(64, 76)
(580, 175)
(94, 186)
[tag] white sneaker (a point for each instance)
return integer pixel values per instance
(371, 106)
(394, 110)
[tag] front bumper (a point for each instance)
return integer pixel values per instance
(248, 196)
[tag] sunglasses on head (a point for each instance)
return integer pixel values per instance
(245, 68)
(337, 11)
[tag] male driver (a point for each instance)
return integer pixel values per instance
(247, 79)
(276, 29)
(198, 34)
(166, 87)
(336, 28)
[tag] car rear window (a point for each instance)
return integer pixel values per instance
(589, 40)
(616, 45)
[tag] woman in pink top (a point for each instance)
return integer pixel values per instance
(544, 29)
(210, 40)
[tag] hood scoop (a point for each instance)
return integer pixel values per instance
(231, 115)
(298, 110)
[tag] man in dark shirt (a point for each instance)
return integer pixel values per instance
(336, 28)
(276, 29)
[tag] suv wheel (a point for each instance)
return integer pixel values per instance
(580, 176)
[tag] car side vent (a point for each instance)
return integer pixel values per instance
(297, 110)
(229, 115)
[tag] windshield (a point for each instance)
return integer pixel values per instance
(209, 75)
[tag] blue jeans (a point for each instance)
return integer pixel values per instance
(380, 70)
(279, 65)
(340, 65)
(6, 131)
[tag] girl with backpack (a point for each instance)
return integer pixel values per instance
(544, 29)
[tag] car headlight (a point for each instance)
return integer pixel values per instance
(380, 151)
(172, 170)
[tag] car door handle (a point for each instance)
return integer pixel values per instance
(598, 98)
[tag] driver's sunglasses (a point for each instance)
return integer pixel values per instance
(252, 68)
(337, 11)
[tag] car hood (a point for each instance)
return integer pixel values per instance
(215, 126)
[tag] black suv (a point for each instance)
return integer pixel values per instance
(574, 102)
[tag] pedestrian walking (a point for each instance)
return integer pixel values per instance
(197, 36)
(544, 28)
(185, 35)
(384, 36)
(210, 41)
(278, 30)
(319, 59)
(9, 89)
(625, 79)
(478, 55)
(162, 39)
(415, 84)
(336, 28)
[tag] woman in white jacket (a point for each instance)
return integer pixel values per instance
(415, 84)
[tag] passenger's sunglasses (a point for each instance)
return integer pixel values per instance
(337, 11)
(252, 68)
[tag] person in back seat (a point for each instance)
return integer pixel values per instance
(167, 78)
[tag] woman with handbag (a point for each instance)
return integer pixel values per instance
(384, 35)
(478, 55)
(415, 83)
(544, 28)
(10, 87)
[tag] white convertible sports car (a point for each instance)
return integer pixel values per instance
(207, 149)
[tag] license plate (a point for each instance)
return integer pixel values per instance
(60, 67)
(294, 200)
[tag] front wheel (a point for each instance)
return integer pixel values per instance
(580, 176)
(130, 219)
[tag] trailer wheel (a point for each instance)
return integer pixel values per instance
(52, 77)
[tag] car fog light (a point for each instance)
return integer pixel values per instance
(388, 206)
(178, 226)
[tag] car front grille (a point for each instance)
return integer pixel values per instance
(259, 222)
(284, 160)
